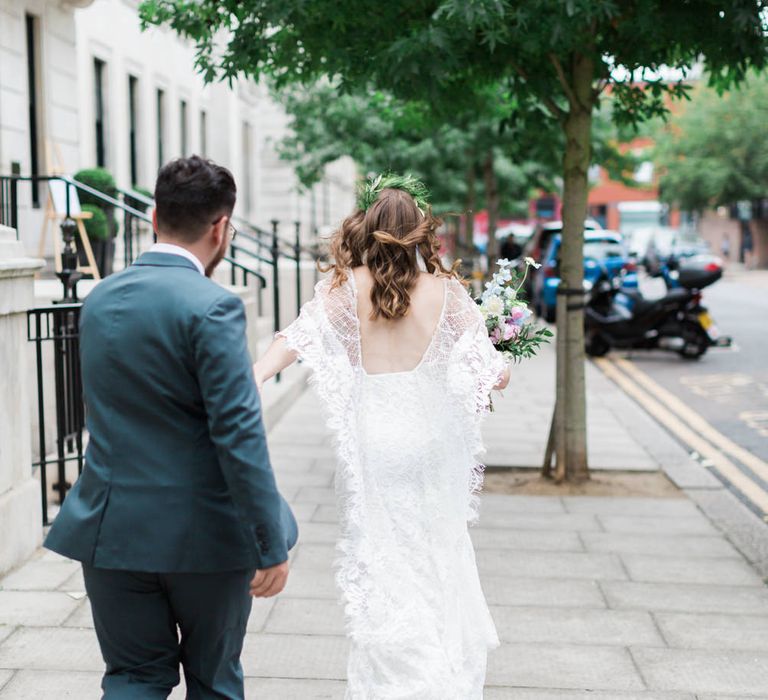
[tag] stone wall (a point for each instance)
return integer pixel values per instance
(20, 510)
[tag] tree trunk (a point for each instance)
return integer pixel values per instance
(492, 202)
(571, 436)
(469, 209)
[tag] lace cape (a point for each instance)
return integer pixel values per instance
(326, 337)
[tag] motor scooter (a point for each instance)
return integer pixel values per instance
(624, 319)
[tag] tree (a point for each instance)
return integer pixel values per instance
(716, 151)
(555, 57)
(382, 133)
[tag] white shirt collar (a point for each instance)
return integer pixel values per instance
(172, 249)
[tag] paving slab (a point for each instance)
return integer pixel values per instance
(260, 612)
(670, 546)
(649, 507)
(734, 672)
(575, 626)
(311, 583)
(714, 631)
(737, 600)
(732, 572)
(51, 648)
(568, 522)
(492, 693)
(74, 583)
(306, 616)
(493, 502)
(304, 510)
(278, 655)
(81, 617)
(550, 564)
(53, 685)
(554, 593)
(288, 480)
(644, 525)
(568, 666)
(35, 608)
(39, 575)
(5, 676)
(318, 533)
(6, 631)
(497, 538)
(315, 494)
(315, 556)
(290, 689)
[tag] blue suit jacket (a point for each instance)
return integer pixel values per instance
(177, 475)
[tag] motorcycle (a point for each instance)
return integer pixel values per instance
(624, 319)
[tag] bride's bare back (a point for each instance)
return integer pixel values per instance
(398, 345)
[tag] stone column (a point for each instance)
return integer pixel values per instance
(21, 526)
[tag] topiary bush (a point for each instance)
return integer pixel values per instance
(98, 179)
(97, 227)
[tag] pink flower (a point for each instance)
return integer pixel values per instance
(518, 313)
(496, 335)
(510, 331)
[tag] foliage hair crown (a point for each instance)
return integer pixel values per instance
(371, 187)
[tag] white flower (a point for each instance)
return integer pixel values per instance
(510, 293)
(503, 263)
(493, 306)
(532, 263)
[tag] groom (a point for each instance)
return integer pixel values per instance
(176, 517)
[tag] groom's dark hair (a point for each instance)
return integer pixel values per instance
(191, 194)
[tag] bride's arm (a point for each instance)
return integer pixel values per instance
(274, 360)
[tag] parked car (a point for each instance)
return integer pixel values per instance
(604, 251)
(538, 244)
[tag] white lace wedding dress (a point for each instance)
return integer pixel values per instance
(407, 484)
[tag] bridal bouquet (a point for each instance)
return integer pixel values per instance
(507, 315)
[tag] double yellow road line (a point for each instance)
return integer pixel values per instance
(689, 427)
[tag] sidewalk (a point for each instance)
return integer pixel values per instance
(599, 598)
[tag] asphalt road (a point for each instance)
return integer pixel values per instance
(727, 386)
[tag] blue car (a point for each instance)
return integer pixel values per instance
(602, 250)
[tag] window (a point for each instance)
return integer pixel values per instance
(133, 127)
(99, 111)
(247, 167)
(183, 128)
(160, 128)
(203, 133)
(34, 102)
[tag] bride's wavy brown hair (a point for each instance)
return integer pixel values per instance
(385, 239)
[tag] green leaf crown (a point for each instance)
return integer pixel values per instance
(371, 187)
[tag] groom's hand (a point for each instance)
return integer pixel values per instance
(269, 582)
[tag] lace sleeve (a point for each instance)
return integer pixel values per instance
(324, 333)
(475, 366)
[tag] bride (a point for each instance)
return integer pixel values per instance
(402, 362)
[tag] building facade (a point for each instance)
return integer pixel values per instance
(82, 86)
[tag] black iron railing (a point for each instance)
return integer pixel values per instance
(57, 327)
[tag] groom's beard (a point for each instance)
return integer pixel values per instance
(220, 253)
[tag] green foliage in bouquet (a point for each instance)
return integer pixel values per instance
(507, 315)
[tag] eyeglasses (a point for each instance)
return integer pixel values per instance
(232, 230)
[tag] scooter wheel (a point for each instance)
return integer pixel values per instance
(696, 341)
(597, 346)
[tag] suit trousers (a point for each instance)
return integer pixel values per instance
(148, 624)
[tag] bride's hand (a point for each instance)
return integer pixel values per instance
(504, 380)
(258, 377)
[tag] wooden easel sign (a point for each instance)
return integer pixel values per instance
(55, 213)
